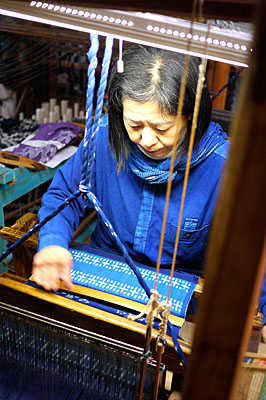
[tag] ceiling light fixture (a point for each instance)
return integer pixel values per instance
(145, 28)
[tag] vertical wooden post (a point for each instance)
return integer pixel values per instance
(221, 78)
(210, 75)
(236, 259)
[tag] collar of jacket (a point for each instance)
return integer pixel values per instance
(210, 141)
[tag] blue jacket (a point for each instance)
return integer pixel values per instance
(262, 302)
(135, 207)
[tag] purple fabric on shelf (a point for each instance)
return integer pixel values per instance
(49, 139)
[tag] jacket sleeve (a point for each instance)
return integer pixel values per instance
(59, 230)
(262, 301)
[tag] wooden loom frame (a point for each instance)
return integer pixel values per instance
(237, 244)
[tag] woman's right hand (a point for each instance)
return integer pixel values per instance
(51, 265)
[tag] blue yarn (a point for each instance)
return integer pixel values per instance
(93, 62)
(98, 112)
(174, 332)
(227, 84)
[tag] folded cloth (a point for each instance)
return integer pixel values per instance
(49, 139)
(13, 131)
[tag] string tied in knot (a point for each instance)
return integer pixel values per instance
(146, 355)
(84, 189)
(150, 310)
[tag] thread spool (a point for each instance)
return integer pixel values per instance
(64, 105)
(21, 116)
(45, 106)
(57, 112)
(76, 110)
(39, 115)
(81, 114)
(52, 103)
(42, 111)
(45, 120)
(69, 114)
(52, 117)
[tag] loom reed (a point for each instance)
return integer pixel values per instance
(41, 360)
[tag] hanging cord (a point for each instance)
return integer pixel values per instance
(164, 310)
(227, 84)
(93, 63)
(172, 329)
(151, 312)
(170, 326)
(166, 322)
(202, 70)
(87, 181)
(201, 79)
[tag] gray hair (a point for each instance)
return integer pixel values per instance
(152, 74)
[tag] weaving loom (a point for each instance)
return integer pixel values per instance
(92, 269)
(39, 337)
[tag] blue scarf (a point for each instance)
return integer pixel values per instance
(152, 171)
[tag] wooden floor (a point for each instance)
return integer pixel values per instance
(251, 385)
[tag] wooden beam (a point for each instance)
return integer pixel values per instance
(234, 10)
(236, 256)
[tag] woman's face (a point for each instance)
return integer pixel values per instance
(148, 128)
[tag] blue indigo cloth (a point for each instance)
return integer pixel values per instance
(262, 301)
(126, 286)
(153, 174)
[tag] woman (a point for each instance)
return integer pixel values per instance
(131, 173)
